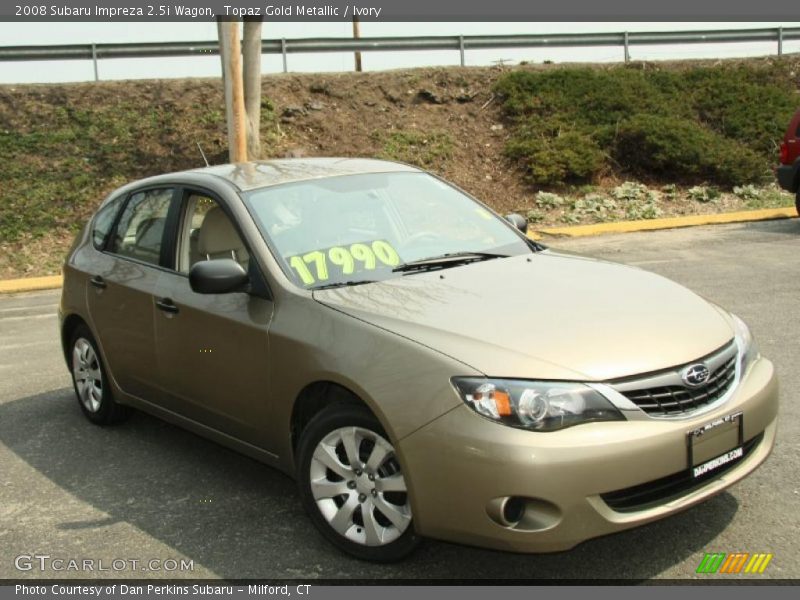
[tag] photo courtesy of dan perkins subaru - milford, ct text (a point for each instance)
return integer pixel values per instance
(160, 590)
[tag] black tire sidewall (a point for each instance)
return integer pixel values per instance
(331, 418)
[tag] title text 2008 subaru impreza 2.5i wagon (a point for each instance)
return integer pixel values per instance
(415, 361)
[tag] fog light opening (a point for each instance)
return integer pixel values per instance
(513, 509)
(523, 514)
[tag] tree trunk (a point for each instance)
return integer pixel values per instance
(231, 54)
(251, 53)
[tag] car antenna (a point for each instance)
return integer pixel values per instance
(203, 154)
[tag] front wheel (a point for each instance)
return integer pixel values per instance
(352, 486)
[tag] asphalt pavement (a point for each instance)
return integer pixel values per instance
(146, 490)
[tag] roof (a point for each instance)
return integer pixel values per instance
(263, 173)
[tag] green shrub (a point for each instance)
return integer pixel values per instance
(770, 197)
(556, 158)
(752, 106)
(535, 216)
(580, 94)
(747, 192)
(716, 124)
(646, 210)
(703, 193)
(570, 218)
(631, 191)
(549, 200)
(670, 191)
(671, 148)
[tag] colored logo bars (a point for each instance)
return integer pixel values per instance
(738, 562)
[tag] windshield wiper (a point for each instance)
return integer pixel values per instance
(451, 259)
(328, 286)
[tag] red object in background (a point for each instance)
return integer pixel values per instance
(788, 171)
(790, 148)
(784, 153)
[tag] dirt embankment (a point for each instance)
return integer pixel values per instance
(63, 147)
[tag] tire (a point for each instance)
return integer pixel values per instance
(363, 509)
(797, 201)
(90, 381)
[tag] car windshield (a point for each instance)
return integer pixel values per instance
(359, 228)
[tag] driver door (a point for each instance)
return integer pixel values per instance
(212, 349)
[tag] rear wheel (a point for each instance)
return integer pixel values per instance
(90, 381)
(352, 485)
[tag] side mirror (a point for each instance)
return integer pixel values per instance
(518, 221)
(218, 276)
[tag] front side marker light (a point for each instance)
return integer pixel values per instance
(491, 402)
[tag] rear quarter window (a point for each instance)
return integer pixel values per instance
(104, 221)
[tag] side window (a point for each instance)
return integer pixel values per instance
(207, 233)
(141, 226)
(104, 221)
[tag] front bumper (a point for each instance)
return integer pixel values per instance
(461, 466)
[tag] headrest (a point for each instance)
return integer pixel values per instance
(217, 234)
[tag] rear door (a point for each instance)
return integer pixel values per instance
(212, 349)
(122, 284)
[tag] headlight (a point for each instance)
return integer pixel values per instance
(748, 350)
(535, 405)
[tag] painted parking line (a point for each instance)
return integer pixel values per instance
(26, 345)
(52, 307)
(28, 317)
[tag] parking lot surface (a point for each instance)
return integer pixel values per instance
(147, 491)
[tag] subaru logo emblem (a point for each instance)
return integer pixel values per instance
(695, 375)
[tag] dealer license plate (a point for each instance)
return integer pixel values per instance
(715, 444)
(716, 463)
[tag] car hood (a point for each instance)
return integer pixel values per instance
(546, 315)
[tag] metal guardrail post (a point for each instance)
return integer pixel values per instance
(461, 48)
(283, 51)
(94, 62)
(780, 41)
(627, 48)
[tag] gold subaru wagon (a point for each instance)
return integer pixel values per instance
(420, 366)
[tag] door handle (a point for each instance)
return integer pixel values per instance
(167, 305)
(98, 282)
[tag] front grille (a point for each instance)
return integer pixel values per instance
(660, 491)
(676, 399)
(665, 394)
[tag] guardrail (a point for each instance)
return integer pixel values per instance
(460, 43)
